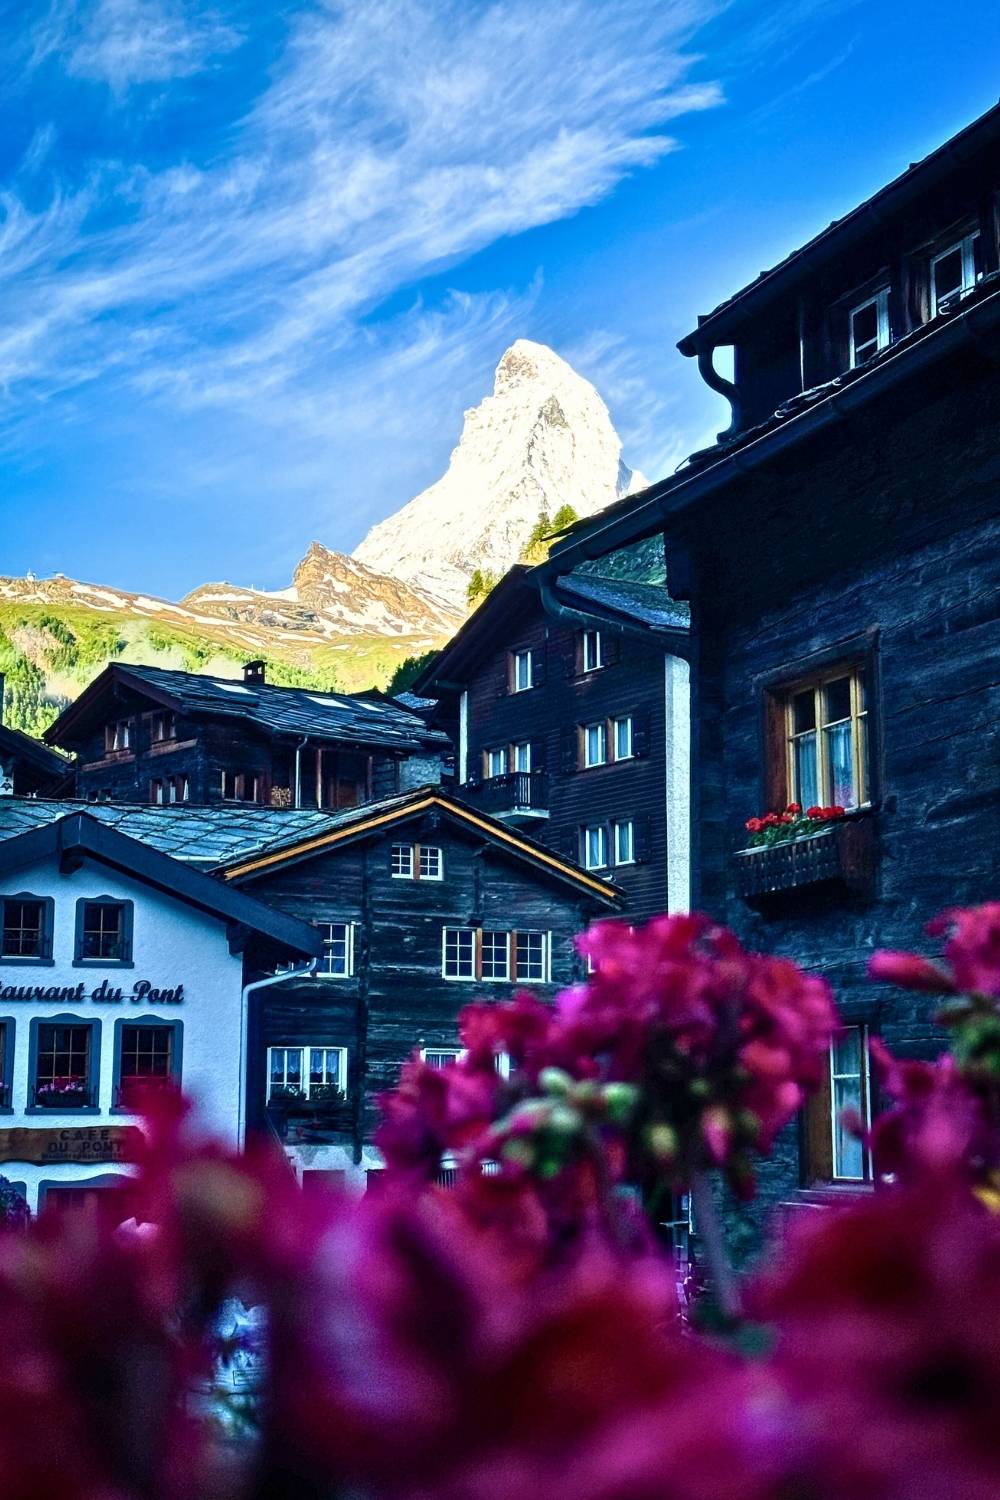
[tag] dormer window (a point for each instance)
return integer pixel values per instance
(869, 324)
(955, 270)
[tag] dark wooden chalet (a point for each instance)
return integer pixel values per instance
(423, 905)
(840, 548)
(27, 767)
(567, 703)
(144, 734)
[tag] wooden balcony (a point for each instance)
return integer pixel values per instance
(517, 797)
(840, 857)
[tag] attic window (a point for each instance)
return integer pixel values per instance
(164, 727)
(118, 736)
(869, 323)
(240, 786)
(955, 270)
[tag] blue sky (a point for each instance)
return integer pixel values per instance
(256, 258)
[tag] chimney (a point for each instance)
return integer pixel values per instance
(253, 671)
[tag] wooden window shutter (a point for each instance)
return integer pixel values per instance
(642, 835)
(538, 666)
(571, 750)
(775, 768)
(578, 653)
(640, 735)
(506, 678)
(611, 648)
(817, 1136)
(538, 756)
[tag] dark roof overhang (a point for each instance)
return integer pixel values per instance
(72, 719)
(653, 510)
(77, 838)
(723, 324)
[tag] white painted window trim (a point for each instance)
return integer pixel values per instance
(431, 849)
(598, 657)
(305, 1048)
(629, 753)
(528, 657)
(601, 726)
(880, 301)
(457, 978)
(621, 823)
(401, 874)
(966, 246)
(325, 974)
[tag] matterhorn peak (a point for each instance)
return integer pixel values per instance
(543, 440)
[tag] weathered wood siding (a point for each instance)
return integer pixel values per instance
(397, 999)
(548, 717)
(889, 526)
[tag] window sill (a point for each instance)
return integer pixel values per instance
(67, 1109)
(27, 963)
(103, 963)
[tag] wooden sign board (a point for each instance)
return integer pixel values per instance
(77, 1143)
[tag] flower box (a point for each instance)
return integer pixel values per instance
(841, 854)
(63, 1096)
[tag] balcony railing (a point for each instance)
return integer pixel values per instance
(516, 795)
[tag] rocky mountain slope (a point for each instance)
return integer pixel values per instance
(543, 439)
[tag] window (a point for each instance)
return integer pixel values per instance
(593, 653)
(27, 929)
(956, 269)
(63, 1066)
(157, 792)
(869, 325)
(522, 675)
(310, 1071)
(834, 1154)
(337, 961)
(531, 959)
(417, 862)
(494, 955)
(496, 761)
(103, 931)
(495, 959)
(827, 737)
(118, 736)
(459, 953)
(595, 744)
(521, 756)
(621, 733)
(163, 727)
(146, 1053)
(595, 847)
(177, 789)
(623, 841)
(440, 1057)
(240, 786)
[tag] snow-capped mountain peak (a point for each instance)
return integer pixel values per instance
(542, 440)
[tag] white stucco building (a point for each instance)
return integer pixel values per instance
(118, 965)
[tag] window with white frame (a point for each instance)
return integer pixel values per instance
(595, 744)
(956, 269)
(416, 862)
(240, 786)
(520, 755)
(458, 957)
(496, 761)
(593, 652)
(621, 737)
(401, 862)
(869, 327)
(623, 841)
(531, 957)
(595, 846)
(306, 1071)
(163, 726)
(440, 1057)
(522, 673)
(337, 960)
(834, 1154)
(495, 955)
(430, 862)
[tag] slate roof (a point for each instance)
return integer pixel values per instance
(45, 761)
(368, 719)
(648, 603)
(201, 836)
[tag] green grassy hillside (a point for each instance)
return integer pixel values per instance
(50, 652)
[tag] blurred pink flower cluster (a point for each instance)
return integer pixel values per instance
(424, 1342)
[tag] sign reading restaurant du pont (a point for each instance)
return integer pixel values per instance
(101, 1143)
(104, 993)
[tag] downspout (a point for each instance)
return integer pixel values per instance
(298, 769)
(306, 972)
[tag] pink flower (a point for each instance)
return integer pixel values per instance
(973, 946)
(433, 1110)
(910, 971)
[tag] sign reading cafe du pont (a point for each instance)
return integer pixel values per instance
(77, 1144)
(105, 993)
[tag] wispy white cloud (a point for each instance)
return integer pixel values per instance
(127, 42)
(394, 138)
